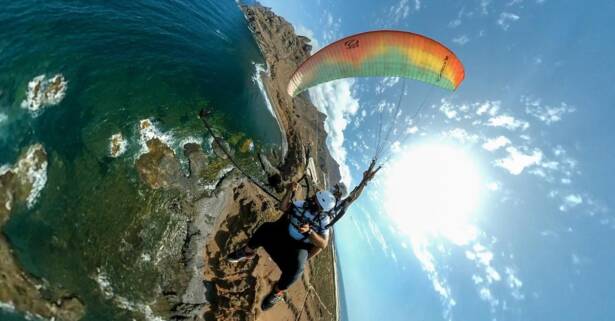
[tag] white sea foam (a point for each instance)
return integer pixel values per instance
(7, 306)
(191, 140)
(31, 174)
(137, 307)
(260, 68)
(8, 204)
(117, 145)
(149, 131)
(259, 81)
(104, 284)
(221, 173)
(106, 288)
(43, 92)
(4, 169)
(3, 118)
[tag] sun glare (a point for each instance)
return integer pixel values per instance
(433, 190)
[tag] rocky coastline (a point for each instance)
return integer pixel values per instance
(215, 210)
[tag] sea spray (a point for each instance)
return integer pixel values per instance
(43, 92)
(33, 171)
(149, 131)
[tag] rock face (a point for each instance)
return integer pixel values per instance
(234, 292)
(19, 186)
(284, 51)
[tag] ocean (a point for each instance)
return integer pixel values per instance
(95, 229)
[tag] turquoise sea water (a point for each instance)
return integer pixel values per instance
(124, 61)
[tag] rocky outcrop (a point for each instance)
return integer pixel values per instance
(19, 186)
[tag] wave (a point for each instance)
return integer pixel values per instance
(257, 78)
(43, 92)
(106, 288)
(259, 81)
(149, 131)
(7, 306)
(34, 172)
(212, 186)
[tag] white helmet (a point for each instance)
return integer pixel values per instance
(326, 200)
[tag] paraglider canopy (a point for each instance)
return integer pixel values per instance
(383, 53)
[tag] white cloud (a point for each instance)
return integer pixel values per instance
(517, 161)
(401, 10)
(306, 32)
(494, 144)
(514, 2)
(484, 6)
(506, 19)
(461, 40)
(514, 283)
(448, 110)
(439, 283)
(489, 107)
(455, 23)
(547, 114)
(508, 122)
(336, 101)
(570, 201)
(462, 135)
(331, 27)
(485, 295)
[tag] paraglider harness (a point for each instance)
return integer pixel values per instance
(297, 212)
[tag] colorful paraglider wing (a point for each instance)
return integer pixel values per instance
(380, 53)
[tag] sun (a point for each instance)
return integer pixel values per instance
(433, 190)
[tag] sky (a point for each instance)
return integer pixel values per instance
(498, 203)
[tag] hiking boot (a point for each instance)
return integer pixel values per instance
(240, 255)
(271, 299)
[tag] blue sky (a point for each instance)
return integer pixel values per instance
(532, 119)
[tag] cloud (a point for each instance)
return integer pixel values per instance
(570, 201)
(306, 32)
(506, 19)
(449, 110)
(488, 107)
(401, 10)
(494, 144)
(514, 2)
(517, 161)
(421, 250)
(462, 135)
(514, 283)
(461, 40)
(484, 6)
(546, 114)
(508, 122)
(331, 26)
(335, 100)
